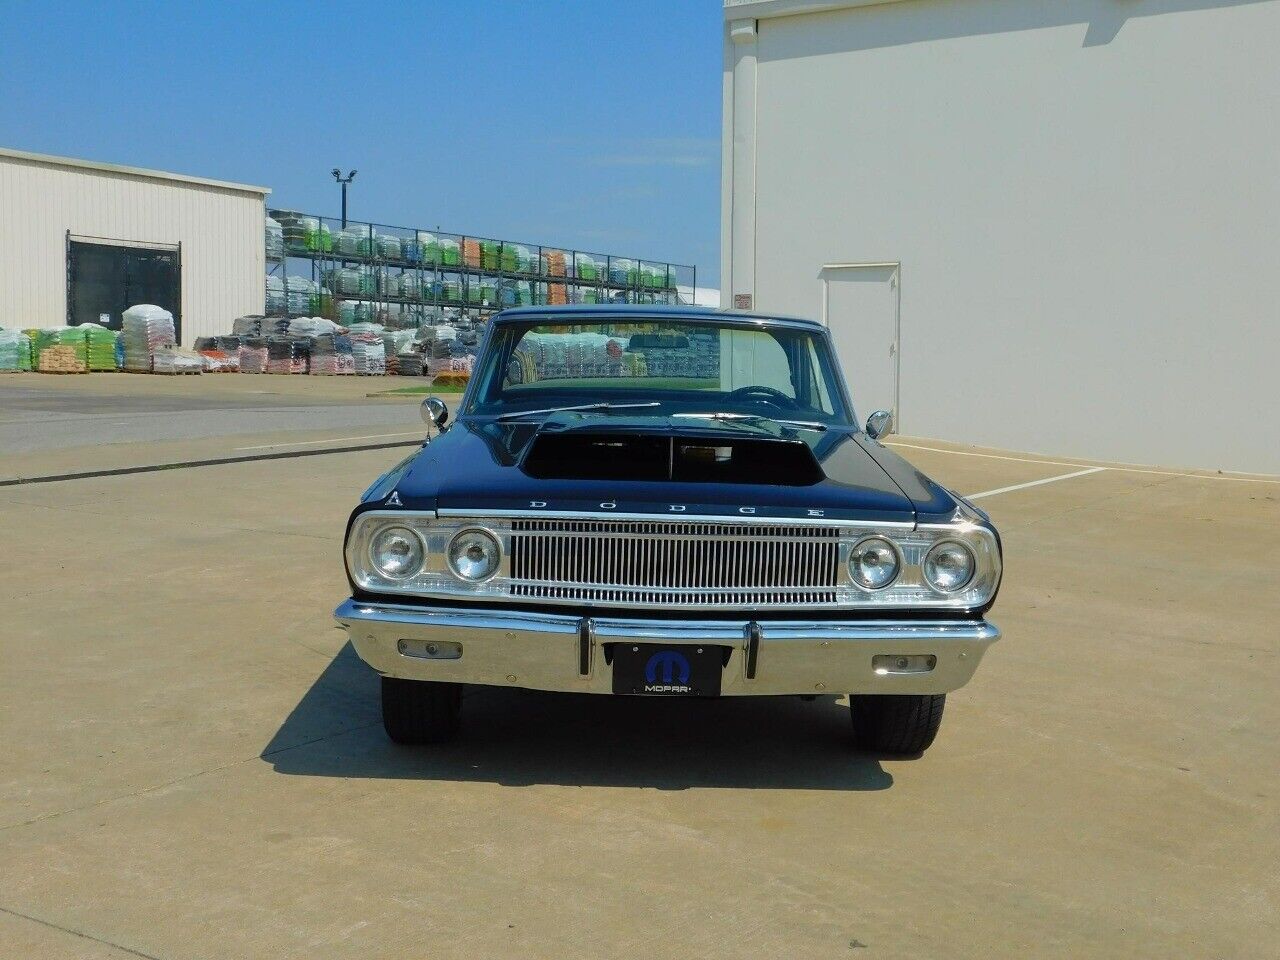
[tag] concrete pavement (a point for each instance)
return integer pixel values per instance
(41, 413)
(191, 764)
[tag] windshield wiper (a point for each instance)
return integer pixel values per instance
(580, 407)
(727, 415)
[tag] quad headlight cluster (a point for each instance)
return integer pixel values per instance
(474, 555)
(876, 563)
(947, 566)
(399, 553)
(396, 552)
(955, 565)
(407, 552)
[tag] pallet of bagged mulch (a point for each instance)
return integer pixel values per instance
(60, 359)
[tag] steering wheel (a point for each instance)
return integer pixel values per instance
(767, 394)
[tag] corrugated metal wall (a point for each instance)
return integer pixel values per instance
(1082, 195)
(220, 230)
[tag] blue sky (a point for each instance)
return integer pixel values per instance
(594, 125)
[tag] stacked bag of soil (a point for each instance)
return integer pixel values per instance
(324, 360)
(171, 360)
(301, 358)
(247, 326)
(298, 294)
(146, 329)
(275, 302)
(310, 326)
(253, 355)
(72, 338)
(343, 348)
(408, 363)
(216, 361)
(274, 239)
(60, 359)
(331, 354)
(279, 355)
(15, 351)
(368, 354)
(100, 347)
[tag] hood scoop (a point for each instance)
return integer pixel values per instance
(683, 458)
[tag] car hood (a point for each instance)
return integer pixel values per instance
(477, 465)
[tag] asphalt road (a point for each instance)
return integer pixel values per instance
(34, 419)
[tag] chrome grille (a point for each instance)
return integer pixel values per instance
(672, 563)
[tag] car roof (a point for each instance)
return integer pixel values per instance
(619, 310)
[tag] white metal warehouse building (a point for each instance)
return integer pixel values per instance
(1045, 225)
(83, 241)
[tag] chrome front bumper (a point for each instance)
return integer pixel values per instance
(546, 651)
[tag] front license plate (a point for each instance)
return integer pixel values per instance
(651, 669)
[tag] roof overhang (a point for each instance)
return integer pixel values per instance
(763, 9)
(123, 171)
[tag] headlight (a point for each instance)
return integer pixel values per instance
(874, 563)
(396, 553)
(949, 566)
(474, 555)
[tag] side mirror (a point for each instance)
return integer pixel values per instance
(434, 411)
(879, 423)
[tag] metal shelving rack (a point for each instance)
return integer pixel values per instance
(402, 276)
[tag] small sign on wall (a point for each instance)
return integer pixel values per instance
(742, 301)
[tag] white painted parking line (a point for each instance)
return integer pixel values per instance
(1033, 483)
(1252, 478)
(303, 443)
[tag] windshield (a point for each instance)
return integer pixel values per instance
(670, 367)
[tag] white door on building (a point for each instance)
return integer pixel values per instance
(861, 307)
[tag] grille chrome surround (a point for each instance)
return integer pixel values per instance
(721, 563)
(675, 563)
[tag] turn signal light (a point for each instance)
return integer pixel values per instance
(887, 663)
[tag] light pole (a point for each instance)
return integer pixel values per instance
(337, 175)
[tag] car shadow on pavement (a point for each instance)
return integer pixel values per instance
(521, 737)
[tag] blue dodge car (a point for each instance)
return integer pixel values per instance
(666, 502)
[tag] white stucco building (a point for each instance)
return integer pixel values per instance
(1046, 225)
(82, 241)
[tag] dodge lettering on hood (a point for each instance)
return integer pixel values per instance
(666, 502)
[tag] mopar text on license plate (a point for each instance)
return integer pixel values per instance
(667, 671)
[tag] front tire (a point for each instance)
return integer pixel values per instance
(894, 723)
(420, 711)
